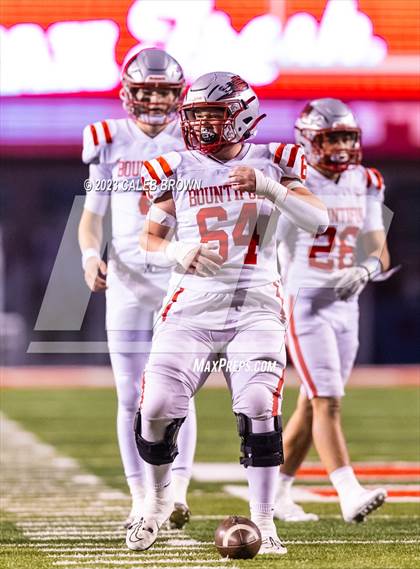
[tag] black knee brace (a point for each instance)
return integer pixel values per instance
(260, 449)
(162, 452)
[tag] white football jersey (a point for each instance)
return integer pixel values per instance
(115, 151)
(209, 210)
(354, 205)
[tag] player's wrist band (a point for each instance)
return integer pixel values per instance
(269, 188)
(176, 251)
(87, 254)
(373, 265)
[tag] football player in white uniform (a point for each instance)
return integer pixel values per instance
(323, 282)
(224, 297)
(152, 88)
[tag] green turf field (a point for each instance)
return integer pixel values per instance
(381, 424)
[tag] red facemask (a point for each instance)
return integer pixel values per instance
(208, 135)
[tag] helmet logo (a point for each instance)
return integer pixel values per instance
(157, 78)
(228, 132)
(235, 85)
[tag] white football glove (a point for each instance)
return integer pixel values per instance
(202, 259)
(353, 280)
(350, 282)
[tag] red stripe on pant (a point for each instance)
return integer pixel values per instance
(170, 303)
(299, 362)
(276, 285)
(143, 384)
(277, 395)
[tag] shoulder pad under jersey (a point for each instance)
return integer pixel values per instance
(156, 173)
(290, 158)
(96, 138)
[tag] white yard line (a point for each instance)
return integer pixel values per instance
(167, 567)
(53, 501)
(145, 562)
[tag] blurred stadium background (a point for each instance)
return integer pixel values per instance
(60, 71)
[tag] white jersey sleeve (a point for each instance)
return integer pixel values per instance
(97, 200)
(375, 190)
(291, 160)
(97, 139)
(159, 175)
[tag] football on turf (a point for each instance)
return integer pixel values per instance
(237, 538)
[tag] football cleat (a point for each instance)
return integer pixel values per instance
(135, 513)
(180, 516)
(142, 534)
(288, 511)
(356, 510)
(271, 545)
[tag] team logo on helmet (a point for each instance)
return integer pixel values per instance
(235, 85)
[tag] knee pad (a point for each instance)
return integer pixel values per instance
(161, 452)
(260, 449)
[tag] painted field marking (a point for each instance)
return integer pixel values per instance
(36, 481)
(351, 541)
(172, 560)
(312, 471)
(324, 516)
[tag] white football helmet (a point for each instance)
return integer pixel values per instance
(148, 70)
(314, 126)
(219, 90)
